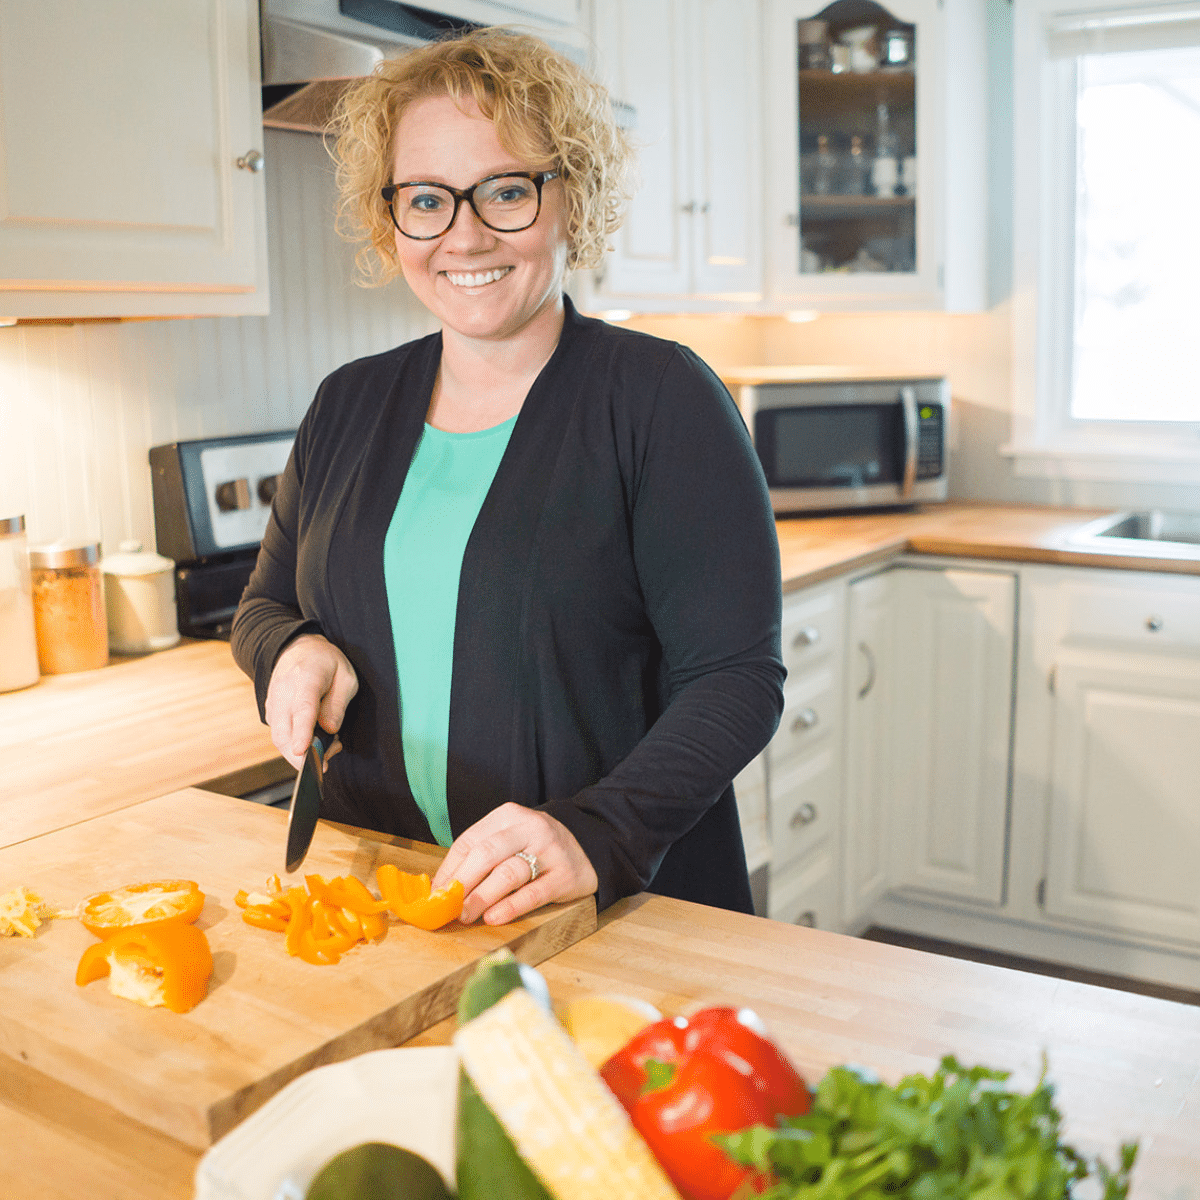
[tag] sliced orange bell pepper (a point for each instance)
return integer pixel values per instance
(411, 898)
(299, 921)
(175, 950)
(140, 904)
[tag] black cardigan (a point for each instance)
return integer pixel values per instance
(616, 649)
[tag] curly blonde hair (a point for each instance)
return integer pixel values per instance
(546, 110)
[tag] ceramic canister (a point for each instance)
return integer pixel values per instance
(139, 595)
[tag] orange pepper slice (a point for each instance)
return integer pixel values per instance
(261, 919)
(140, 904)
(411, 898)
(175, 949)
(299, 921)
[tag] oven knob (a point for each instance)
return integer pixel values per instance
(232, 495)
(268, 485)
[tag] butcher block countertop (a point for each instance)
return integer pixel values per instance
(76, 746)
(1125, 1066)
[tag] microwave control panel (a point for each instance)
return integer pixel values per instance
(930, 440)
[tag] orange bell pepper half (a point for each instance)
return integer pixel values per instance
(141, 904)
(174, 950)
(411, 898)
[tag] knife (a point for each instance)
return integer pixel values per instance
(306, 799)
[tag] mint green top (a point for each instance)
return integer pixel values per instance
(422, 558)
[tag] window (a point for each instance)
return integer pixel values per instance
(1106, 240)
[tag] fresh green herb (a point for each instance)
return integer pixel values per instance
(955, 1135)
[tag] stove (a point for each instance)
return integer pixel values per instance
(212, 498)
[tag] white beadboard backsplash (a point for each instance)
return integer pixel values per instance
(81, 405)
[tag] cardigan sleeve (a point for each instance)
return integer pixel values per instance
(707, 559)
(269, 615)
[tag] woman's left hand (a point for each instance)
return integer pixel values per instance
(500, 886)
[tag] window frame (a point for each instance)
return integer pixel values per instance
(1046, 441)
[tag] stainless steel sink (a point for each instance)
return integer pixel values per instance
(1178, 532)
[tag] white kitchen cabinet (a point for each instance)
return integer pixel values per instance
(1124, 773)
(122, 125)
(929, 695)
(804, 761)
(952, 697)
(868, 749)
(686, 76)
(839, 235)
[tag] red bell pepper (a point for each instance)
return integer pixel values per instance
(683, 1080)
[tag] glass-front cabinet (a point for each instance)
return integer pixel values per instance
(877, 122)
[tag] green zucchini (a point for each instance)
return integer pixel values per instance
(488, 1165)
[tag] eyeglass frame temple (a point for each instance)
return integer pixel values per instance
(538, 178)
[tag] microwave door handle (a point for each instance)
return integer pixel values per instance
(908, 403)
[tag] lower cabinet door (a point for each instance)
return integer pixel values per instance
(1125, 797)
(806, 892)
(952, 698)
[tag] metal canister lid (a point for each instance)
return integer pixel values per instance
(11, 525)
(65, 554)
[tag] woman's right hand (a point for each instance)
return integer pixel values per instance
(312, 683)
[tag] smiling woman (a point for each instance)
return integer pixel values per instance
(526, 568)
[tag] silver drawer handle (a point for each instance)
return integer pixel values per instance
(251, 161)
(1154, 624)
(806, 718)
(808, 636)
(806, 814)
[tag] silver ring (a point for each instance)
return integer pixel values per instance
(531, 859)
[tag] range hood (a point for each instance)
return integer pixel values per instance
(312, 48)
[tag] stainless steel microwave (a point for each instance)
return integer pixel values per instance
(849, 443)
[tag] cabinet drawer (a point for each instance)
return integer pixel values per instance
(750, 790)
(803, 804)
(811, 628)
(806, 894)
(811, 710)
(1158, 617)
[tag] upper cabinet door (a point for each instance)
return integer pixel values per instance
(121, 126)
(877, 195)
(726, 100)
(687, 76)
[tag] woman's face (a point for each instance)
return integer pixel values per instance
(477, 282)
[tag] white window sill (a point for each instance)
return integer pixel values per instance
(1065, 460)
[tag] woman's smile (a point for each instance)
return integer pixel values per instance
(478, 278)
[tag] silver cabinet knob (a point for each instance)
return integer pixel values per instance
(808, 918)
(252, 161)
(1154, 624)
(808, 636)
(806, 718)
(689, 207)
(806, 814)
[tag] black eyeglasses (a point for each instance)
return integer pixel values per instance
(506, 203)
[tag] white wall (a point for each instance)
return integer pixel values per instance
(81, 405)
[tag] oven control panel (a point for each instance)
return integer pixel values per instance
(212, 497)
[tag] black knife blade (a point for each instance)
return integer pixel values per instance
(306, 800)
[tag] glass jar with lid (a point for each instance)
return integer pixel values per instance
(68, 607)
(18, 642)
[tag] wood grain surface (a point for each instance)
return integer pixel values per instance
(814, 548)
(1125, 1067)
(268, 1017)
(75, 746)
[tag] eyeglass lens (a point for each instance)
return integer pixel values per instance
(507, 204)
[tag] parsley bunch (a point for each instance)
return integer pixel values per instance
(955, 1135)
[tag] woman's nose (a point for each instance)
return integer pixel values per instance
(467, 231)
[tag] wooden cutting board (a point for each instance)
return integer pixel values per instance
(268, 1017)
